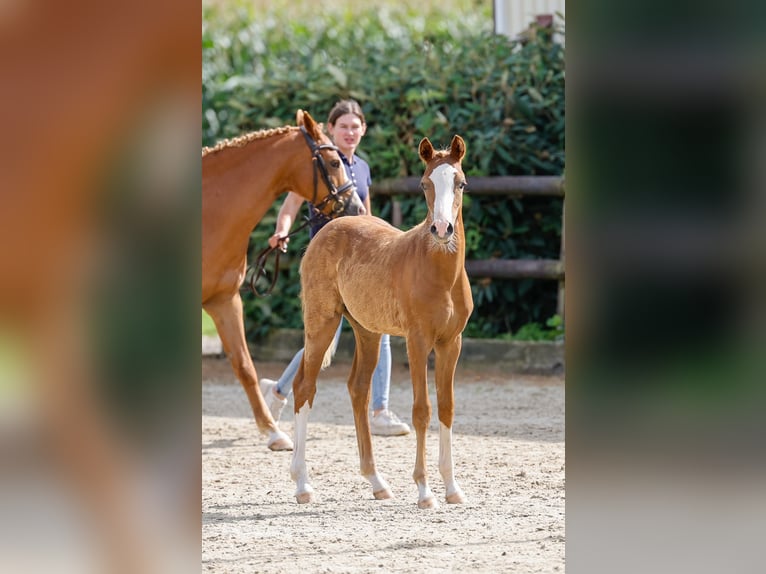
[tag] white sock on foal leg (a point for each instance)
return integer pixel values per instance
(453, 492)
(298, 470)
(426, 498)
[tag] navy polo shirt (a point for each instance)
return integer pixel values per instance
(359, 172)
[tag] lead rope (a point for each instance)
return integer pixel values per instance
(259, 269)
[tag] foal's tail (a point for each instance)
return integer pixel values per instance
(329, 353)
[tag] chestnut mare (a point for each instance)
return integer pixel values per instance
(410, 284)
(241, 178)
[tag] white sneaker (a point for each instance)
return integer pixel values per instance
(386, 423)
(274, 403)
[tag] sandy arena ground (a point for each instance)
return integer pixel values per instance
(509, 460)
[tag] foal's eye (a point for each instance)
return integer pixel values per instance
(422, 186)
(335, 163)
(462, 185)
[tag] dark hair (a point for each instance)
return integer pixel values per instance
(344, 107)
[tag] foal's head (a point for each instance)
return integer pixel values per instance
(443, 182)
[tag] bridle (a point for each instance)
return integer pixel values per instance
(337, 208)
(320, 168)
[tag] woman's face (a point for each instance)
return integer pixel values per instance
(347, 132)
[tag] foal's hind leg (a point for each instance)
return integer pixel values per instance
(227, 315)
(319, 334)
(298, 471)
(359, 383)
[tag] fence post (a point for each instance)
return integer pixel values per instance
(396, 212)
(562, 291)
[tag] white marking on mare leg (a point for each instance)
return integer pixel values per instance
(453, 492)
(298, 471)
(443, 178)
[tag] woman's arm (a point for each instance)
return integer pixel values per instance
(285, 219)
(367, 204)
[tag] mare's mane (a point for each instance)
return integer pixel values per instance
(243, 140)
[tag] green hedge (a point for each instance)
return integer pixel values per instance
(434, 74)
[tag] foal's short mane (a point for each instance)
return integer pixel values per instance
(243, 140)
(441, 154)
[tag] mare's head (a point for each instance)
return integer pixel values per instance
(334, 194)
(443, 183)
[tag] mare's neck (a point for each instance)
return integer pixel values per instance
(269, 166)
(240, 186)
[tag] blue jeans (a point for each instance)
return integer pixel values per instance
(381, 378)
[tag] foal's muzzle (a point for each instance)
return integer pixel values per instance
(442, 231)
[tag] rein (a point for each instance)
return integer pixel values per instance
(259, 269)
(337, 208)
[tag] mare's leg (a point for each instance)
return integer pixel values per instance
(446, 361)
(359, 382)
(417, 353)
(228, 317)
(319, 334)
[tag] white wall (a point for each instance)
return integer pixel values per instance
(514, 16)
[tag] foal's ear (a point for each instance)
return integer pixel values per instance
(425, 150)
(457, 149)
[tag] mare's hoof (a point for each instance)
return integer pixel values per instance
(455, 498)
(383, 494)
(429, 502)
(304, 497)
(279, 441)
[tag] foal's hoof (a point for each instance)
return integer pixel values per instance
(429, 502)
(383, 494)
(279, 441)
(304, 497)
(455, 498)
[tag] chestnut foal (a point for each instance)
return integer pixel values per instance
(410, 284)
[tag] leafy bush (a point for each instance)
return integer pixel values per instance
(552, 331)
(429, 74)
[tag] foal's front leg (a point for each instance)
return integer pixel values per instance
(417, 354)
(446, 356)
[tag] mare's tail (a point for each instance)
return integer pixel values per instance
(329, 353)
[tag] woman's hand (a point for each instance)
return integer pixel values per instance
(279, 240)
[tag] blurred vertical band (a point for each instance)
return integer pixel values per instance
(666, 148)
(99, 282)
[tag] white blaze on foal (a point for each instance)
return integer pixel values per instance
(443, 178)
